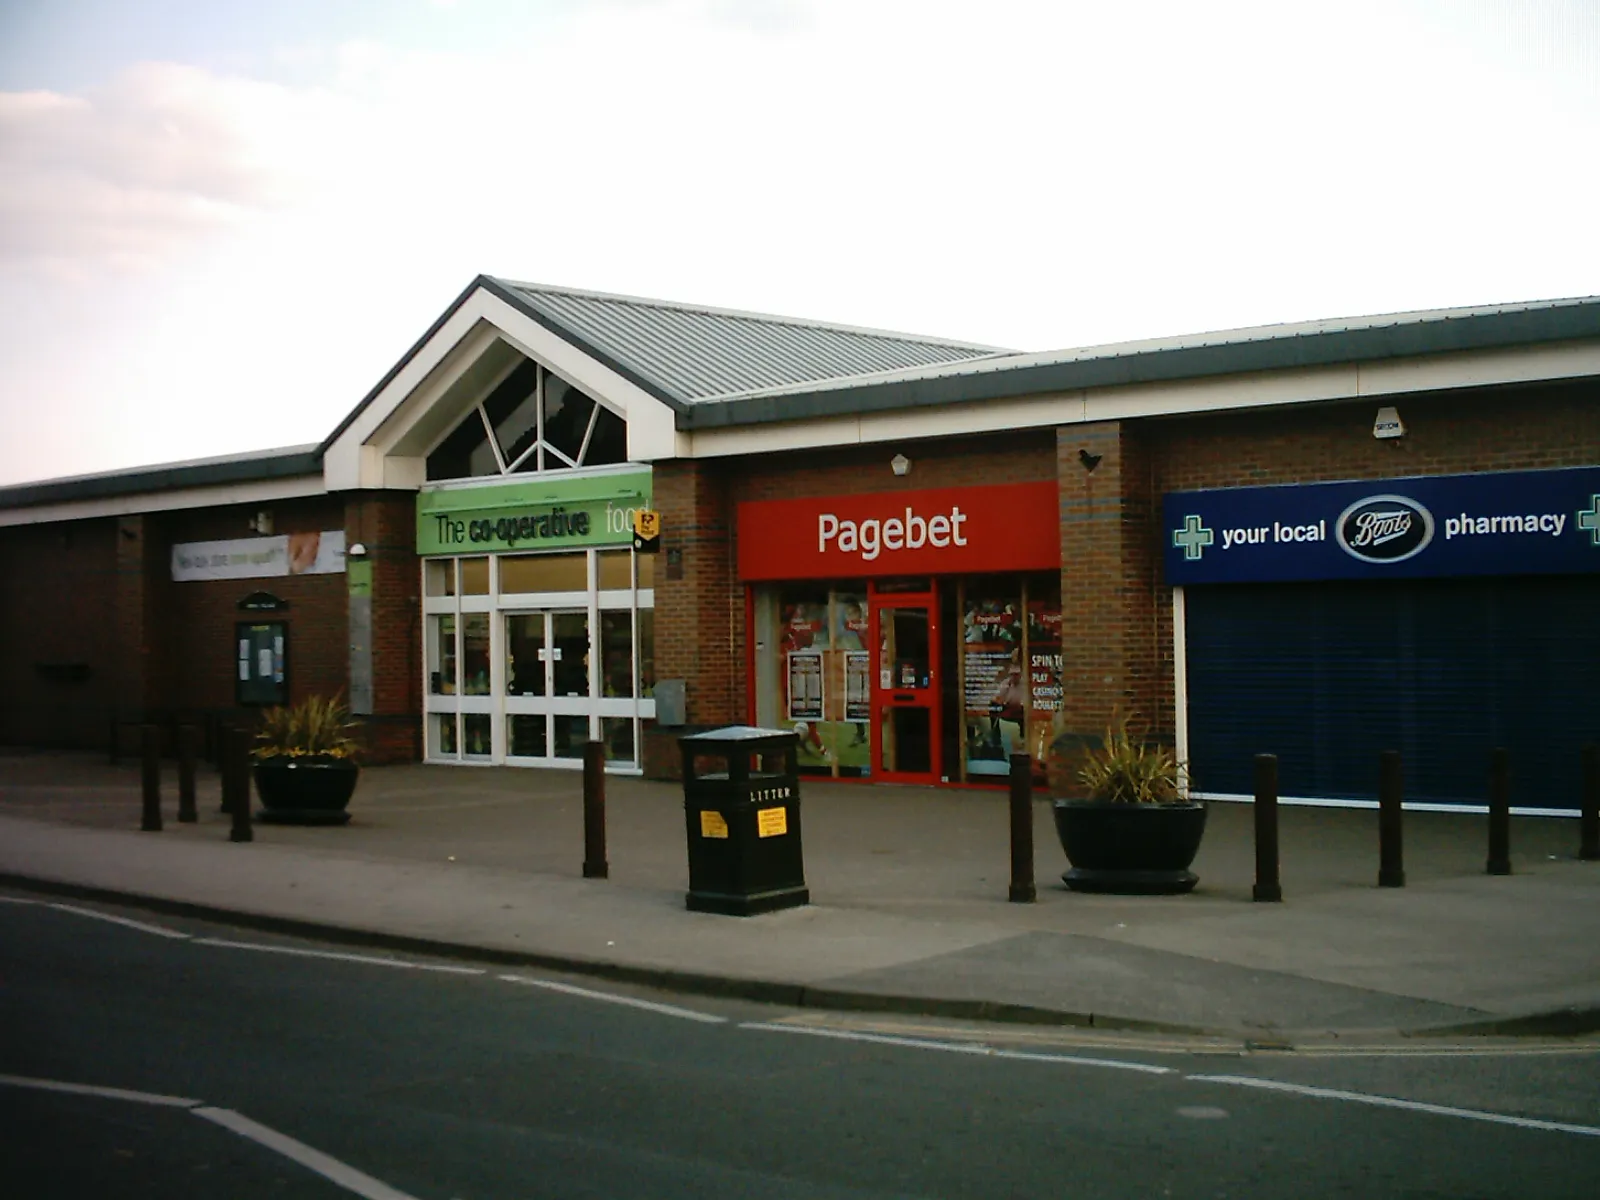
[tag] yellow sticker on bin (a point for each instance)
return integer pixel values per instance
(712, 825)
(772, 822)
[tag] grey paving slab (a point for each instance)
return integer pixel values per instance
(909, 889)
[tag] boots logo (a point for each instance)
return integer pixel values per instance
(1384, 529)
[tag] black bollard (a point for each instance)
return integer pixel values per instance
(112, 743)
(1268, 887)
(1023, 890)
(594, 811)
(1589, 835)
(150, 777)
(237, 748)
(188, 737)
(1499, 812)
(1391, 855)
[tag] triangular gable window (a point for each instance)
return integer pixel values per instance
(532, 421)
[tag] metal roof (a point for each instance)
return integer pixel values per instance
(255, 467)
(1225, 352)
(690, 354)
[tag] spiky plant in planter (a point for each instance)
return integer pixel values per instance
(1137, 829)
(305, 767)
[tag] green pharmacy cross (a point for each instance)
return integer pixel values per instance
(1195, 537)
(1590, 520)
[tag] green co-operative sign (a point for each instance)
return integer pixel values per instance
(539, 514)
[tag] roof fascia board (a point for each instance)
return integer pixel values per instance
(1348, 381)
(160, 479)
(259, 492)
(1450, 335)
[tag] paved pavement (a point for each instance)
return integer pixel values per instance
(909, 910)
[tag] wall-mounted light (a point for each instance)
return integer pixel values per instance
(1089, 461)
(262, 522)
(900, 464)
(357, 550)
(1388, 424)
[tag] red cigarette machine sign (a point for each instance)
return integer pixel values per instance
(1003, 527)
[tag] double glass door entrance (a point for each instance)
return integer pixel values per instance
(547, 683)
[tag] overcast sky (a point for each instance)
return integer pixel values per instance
(222, 221)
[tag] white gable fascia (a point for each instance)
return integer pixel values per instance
(1344, 381)
(359, 458)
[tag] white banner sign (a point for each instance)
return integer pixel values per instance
(261, 557)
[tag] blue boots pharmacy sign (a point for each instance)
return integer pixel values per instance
(1508, 523)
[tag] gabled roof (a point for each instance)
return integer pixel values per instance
(689, 354)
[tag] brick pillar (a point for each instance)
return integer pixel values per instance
(1110, 594)
(699, 614)
(386, 523)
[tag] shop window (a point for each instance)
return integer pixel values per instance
(442, 656)
(532, 421)
(440, 577)
(475, 732)
(647, 652)
(647, 570)
(617, 733)
(544, 573)
(475, 654)
(817, 679)
(474, 576)
(993, 683)
(616, 569)
(571, 734)
(443, 731)
(616, 653)
(527, 736)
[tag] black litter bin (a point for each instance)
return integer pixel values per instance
(741, 807)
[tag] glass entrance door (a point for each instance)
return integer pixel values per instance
(905, 695)
(547, 686)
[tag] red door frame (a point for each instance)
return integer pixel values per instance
(884, 698)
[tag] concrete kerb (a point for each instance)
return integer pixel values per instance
(1566, 1022)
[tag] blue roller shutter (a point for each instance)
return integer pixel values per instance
(1328, 675)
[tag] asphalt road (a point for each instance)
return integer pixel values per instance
(245, 1065)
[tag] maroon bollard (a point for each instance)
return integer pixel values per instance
(188, 741)
(237, 748)
(1589, 835)
(150, 778)
(594, 811)
(1267, 888)
(1023, 890)
(1499, 812)
(1391, 855)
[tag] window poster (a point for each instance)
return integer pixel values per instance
(994, 693)
(857, 685)
(1045, 691)
(805, 685)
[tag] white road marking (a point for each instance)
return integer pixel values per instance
(17, 900)
(369, 959)
(105, 1093)
(328, 1167)
(668, 1010)
(960, 1048)
(1439, 1110)
(141, 926)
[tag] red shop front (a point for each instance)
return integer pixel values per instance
(909, 637)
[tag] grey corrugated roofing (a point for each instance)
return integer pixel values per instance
(258, 466)
(692, 354)
(1195, 356)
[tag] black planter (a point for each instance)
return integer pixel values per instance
(1142, 849)
(305, 790)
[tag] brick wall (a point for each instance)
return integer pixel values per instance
(58, 668)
